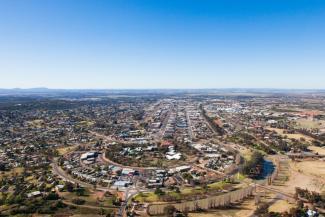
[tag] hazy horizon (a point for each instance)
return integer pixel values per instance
(230, 89)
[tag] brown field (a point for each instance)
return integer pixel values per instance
(306, 174)
(71, 215)
(65, 150)
(13, 172)
(85, 215)
(246, 208)
(311, 124)
(318, 150)
(91, 198)
(39, 123)
(86, 123)
(312, 168)
(246, 153)
(280, 206)
(291, 136)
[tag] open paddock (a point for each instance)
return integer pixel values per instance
(296, 136)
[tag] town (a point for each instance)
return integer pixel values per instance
(143, 154)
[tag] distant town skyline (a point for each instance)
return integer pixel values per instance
(176, 44)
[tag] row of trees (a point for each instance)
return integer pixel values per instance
(215, 126)
(312, 197)
(299, 211)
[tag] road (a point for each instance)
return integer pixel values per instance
(189, 124)
(290, 196)
(165, 122)
(129, 192)
(57, 170)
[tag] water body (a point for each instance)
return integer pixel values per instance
(268, 168)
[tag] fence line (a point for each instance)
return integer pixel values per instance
(206, 203)
(214, 201)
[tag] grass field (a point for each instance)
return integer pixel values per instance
(218, 185)
(311, 124)
(13, 172)
(246, 153)
(291, 136)
(146, 197)
(90, 198)
(81, 212)
(36, 123)
(31, 179)
(280, 206)
(64, 150)
(184, 192)
(86, 123)
(313, 168)
(306, 174)
(317, 149)
(244, 209)
(152, 197)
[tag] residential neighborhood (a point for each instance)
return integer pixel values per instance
(124, 156)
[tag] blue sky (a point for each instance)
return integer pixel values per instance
(162, 44)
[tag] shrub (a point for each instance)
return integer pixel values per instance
(78, 201)
(52, 196)
(160, 192)
(169, 210)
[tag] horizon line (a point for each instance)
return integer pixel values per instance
(164, 88)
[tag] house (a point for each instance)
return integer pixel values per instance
(179, 169)
(183, 168)
(34, 194)
(170, 182)
(172, 155)
(121, 184)
(88, 155)
(59, 187)
(176, 156)
(127, 171)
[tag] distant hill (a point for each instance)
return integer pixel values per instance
(44, 90)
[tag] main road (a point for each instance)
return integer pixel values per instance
(57, 170)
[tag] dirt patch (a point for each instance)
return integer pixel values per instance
(14, 172)
(310, 123)
(67, 149)
(313, 168)
(318, 150)
(280, 206)
(307, 175)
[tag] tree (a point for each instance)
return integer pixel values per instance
(78, 201)
(2, 167)
(52, 196)
(255, 162)
(116, 201)
(261, 209)
(80, 191)
(169, 210)
(10, 199)
(187, 176)
(60, 204)
(159, 192)
(69, 186)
